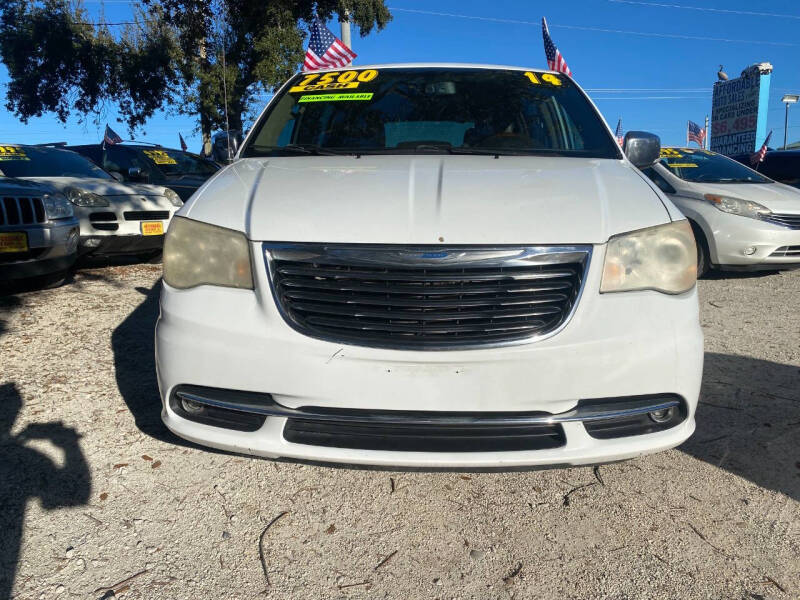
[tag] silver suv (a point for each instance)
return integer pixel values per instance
(38, 231)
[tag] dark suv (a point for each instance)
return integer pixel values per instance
(781, 165)
(181, 171)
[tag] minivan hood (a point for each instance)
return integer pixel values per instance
(775, 196)
(429, 199)
(101, 187)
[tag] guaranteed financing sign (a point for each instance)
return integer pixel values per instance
(739, 111)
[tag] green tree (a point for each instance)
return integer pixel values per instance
(186, 56)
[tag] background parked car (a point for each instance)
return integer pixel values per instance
(780, 165)
(115, 217)
(741, 219)
(181, 171)
(38, 231)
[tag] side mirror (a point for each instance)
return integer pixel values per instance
(117, 175)
(136, 174)
(643, 149)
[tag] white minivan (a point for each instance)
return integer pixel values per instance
(432, 265)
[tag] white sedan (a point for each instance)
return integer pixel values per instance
(115, 217)
(741, 219)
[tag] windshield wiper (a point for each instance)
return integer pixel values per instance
(301, 149)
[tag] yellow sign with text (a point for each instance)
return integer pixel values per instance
(160, 157)
(12, 153)
(334, 80)
(335, 97)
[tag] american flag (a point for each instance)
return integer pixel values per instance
(618, 133)
(110, 137)
(555, 62)
(758, 157)
(325, 50)
(695, 133)
(184, 147)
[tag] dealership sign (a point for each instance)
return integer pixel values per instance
(739, 111)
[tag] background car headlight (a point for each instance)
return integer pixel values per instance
(56, 206)
(197, 253)
(173, 197)
(737, 206)
(81, 197)
(662, 258)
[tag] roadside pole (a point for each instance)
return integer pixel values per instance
(346, 32)
(708, 135)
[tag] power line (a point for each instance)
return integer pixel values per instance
(676, 90)
(650, 98)
(599, 29)
(705, 9)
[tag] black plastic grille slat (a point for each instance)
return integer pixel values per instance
(146, 215)
(102, 216)
(21, 211)
(423, 438)
(417, 306)
(787, 251)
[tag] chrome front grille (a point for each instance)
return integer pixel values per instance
(426, 297)
(21, 211)
(787, 220)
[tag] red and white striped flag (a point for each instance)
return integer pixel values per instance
(758, 157)
(555, 62)
(325, 50)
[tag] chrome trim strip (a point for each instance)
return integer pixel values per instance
(421, 256)
(597, 412)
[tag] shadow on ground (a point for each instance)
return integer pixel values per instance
(27, 474)
(748, 420)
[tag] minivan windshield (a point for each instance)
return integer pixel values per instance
(702, 166)
(42, 161)
(176, 163)
(431, 110)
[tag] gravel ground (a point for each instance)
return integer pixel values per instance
(103, 502)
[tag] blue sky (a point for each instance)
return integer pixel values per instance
(654, 82)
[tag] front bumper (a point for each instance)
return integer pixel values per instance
(121, 244)
(51, 249)
(615, 346)
(741, 243)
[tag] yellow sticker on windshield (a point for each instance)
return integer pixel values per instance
(334, 80)
(539, 78)
(335, 97)
(12, 153)
(670, 153)
(681, 165)
(160, 157)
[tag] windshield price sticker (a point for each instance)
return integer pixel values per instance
(670, 153)
(540, 78)
(160, 157)
(681, 165)
(335, 80)
(12, 153)
(336, 97)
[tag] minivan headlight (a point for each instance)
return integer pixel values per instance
(737, 206)
(661, 258)
(173, 197)
(81, 197)
(56, 206)
(197, 253)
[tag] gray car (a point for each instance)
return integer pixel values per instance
(38, 231)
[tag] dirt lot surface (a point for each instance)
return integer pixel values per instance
(100, 501)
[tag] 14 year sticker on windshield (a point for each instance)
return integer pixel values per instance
(334, 80)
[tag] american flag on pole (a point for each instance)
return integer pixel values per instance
(618, 133)
(758, 157)
(555, 62)
(110, 137)
(325, 50)
(695, 133)
(184, 147)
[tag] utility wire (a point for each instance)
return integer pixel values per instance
(599, 29)
(706, 9)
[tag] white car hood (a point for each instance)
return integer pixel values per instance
(775, 196)
(101, 187)
(429, 200)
